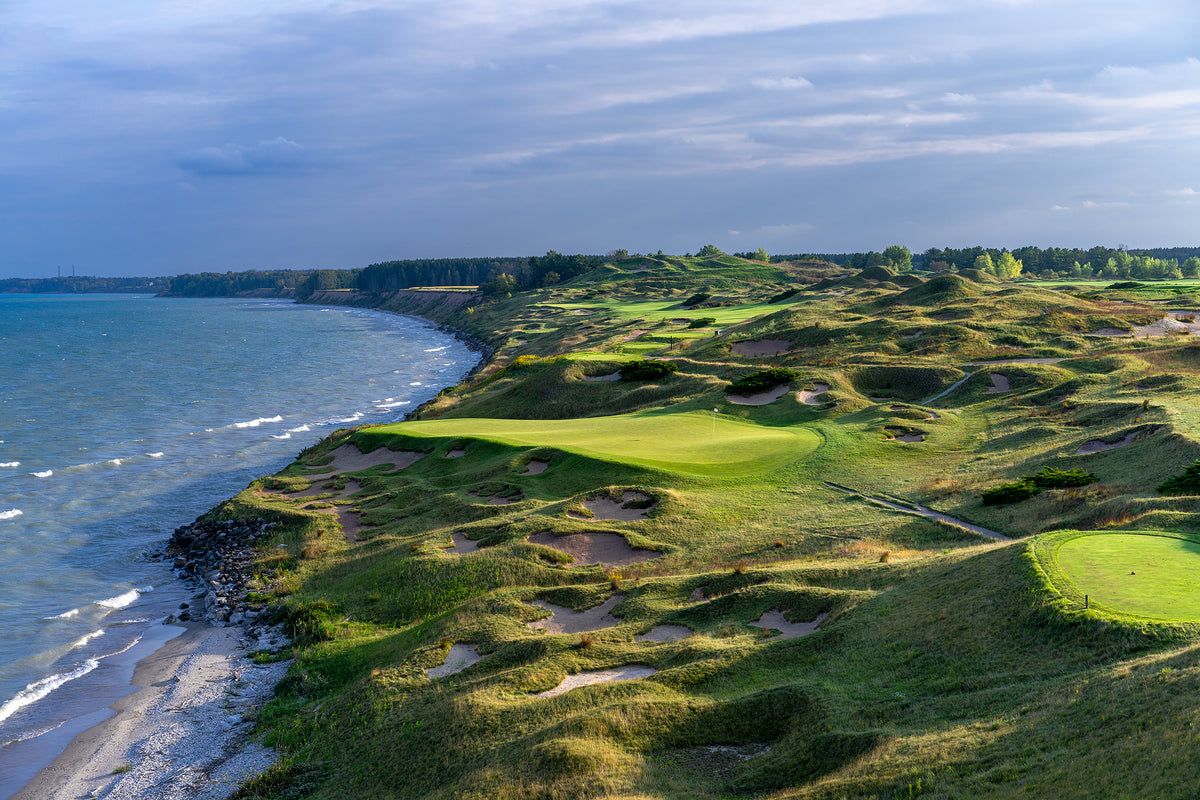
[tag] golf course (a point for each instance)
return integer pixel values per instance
(708, 527)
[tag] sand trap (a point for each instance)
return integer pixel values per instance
(456, 453)
(462, 544)
(904, 435)
(630, 673)
(581, 311)
(664, 633)
(348, 458)
(697, 594)
(915, 335)
(629, 337)
(351, 520)
(461, 656)
(999, 383)
(787, 630)
(1110, 332)
(762, 347)
(319, 488)
(612, 376)
(565, 620)
(535, 467)
(759, 399)
(606, 508)
(607, 549)
(809, 396)
(1099, 446)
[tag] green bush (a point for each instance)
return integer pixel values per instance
(697, 299)
(761, 381)
(1010, 493)
(702, 322)
(1050, 478)
(1187, 483)
(647, 370)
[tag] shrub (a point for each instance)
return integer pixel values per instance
(697, 299)
(702, 322)
(784, 295)
(761, 381)
(1187, 483)
(647, 370)
(1050, 478)
(1010, 493)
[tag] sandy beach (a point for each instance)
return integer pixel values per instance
(183, 733)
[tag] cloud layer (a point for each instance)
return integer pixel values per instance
(160, 136)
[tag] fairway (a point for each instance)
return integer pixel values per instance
(670, 309)
(1144, 574)
(689, 442)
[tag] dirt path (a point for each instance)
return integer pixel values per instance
(907, 507)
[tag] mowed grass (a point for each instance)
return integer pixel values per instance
(694, 443)
(1144, 574)
(670, 309)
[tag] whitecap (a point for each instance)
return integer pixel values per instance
(395, 404)
(284, 436)
(45, 474)
(156, 455)
(10, 463)
(355, 418)
(415, 383)
(437, 349)
(301, 429)
(120, 601)
(74, 612)
(11, 513)
(254, 423)
(83, 640)
(39, 689)
(116, 461)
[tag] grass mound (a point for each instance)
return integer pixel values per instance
(942, 290)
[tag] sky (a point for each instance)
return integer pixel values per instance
(158, 137)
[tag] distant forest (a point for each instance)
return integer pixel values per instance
(506, 274)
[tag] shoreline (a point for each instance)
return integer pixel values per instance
(182, 733)
(183, 729)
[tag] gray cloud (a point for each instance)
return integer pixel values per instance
(273, 155)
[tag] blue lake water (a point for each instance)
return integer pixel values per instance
(123, 417)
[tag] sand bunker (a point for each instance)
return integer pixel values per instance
(809, 396)
(348, 458)
(759, 399)
(612, 376)
(456, 453)
(322, 487)
(565, 620)
(535, 467)
(787, 630)
(607, 508)
(630, 673)
(664, 633)
(762, 347)
(350, 520)
(999, 383)
(461, 656)
(607, 549)
(904, 435)
(629, 337)
(915, 335)
(1110, 332)
(462, 544)
(1099, 446)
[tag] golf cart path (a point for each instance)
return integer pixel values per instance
(908, 507)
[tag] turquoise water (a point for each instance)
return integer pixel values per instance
(123, 417)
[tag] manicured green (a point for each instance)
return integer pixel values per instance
(696, 443)
(1142, 574)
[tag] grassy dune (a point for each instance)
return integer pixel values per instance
(945, 665)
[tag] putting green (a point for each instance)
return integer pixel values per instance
(1155, 575)
(688, 442)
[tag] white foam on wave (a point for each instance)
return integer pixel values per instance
(11, 513)
(415, 383)
(395, 404)
(39, 689)
(437, 349)
(156, 455)
(44, 474)
(10, 463)
(74, 612)
(254, 423)
(83, 640)
(282, 436)
(354, 418)
(122, 600)
(301, 429)
(116, 462)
